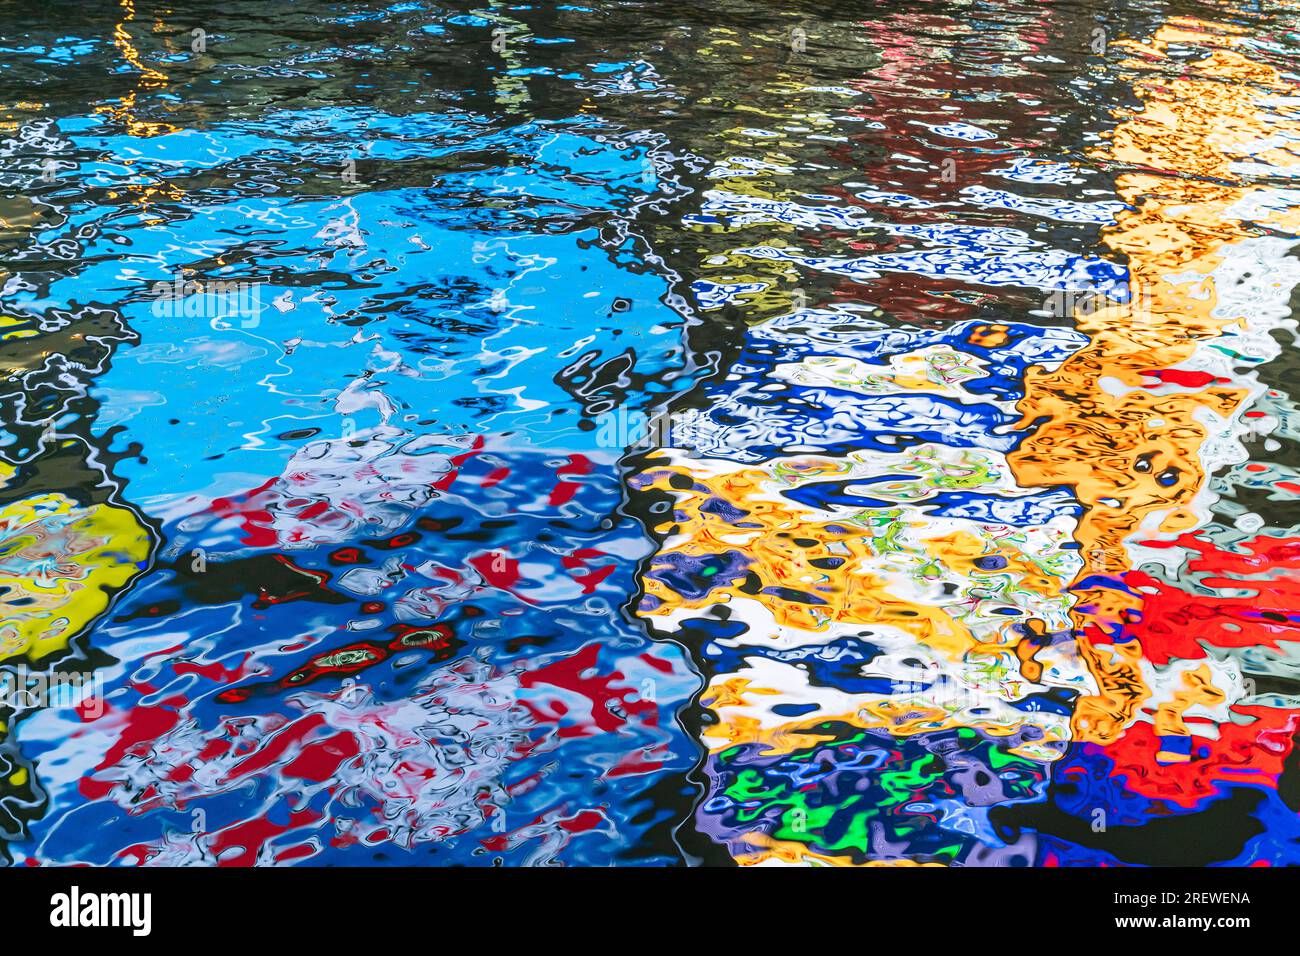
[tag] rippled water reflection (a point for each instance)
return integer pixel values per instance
(621, 433)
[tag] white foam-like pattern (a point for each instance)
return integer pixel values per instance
(938, 369)
(1061, 210)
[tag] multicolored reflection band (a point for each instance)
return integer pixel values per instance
(937, 573)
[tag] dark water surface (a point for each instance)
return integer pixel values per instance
(649, 433)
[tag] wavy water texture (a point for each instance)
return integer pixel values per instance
(919, 560)
(334, 531)
(377, 557)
